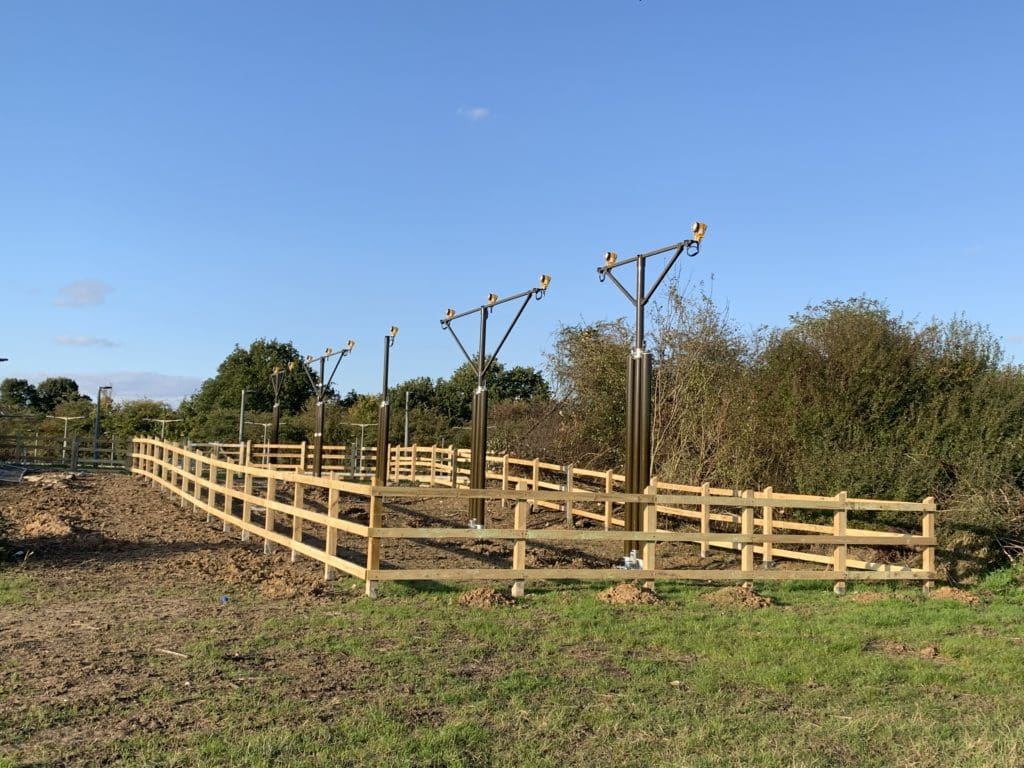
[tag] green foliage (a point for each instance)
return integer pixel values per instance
(138, 417)
(207, 412)
(53, 391)
(18, 395)
(589, 370)
(848, 396)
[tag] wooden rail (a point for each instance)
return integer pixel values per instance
(245, 495)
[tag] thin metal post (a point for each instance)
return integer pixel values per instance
(96, 426)
(405, 441)
(241, 420)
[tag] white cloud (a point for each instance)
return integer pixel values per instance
(128, 385)
(84, 341)
(476, 114)
(82, 293)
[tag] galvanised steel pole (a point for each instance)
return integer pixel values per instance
(241, 421)
(481, 364)
(478, 428)
(276, 379)
(322, 386)
(96, 426)
(638, 380)
(380, 470)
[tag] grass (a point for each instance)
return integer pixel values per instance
(561, 679)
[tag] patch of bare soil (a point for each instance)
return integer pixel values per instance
(868, 597)
(484, 597)
(897, 649)
(737, 597)
(123, 581)
(952, 593)
(628, 594)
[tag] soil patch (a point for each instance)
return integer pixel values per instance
(737, 597)
(628, 594)
(952, 593)
(929, 652)
(484, 597)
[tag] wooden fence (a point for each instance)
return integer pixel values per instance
(757, 524)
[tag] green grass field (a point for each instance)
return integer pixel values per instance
(561, 679)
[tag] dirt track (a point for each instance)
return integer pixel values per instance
(120, 580)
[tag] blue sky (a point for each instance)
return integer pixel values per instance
(180, 177)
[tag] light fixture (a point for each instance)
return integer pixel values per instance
(545, 281)
(291, 365)
(449, 314)
(610, 258)
(699, 228)
(394, 331)
(491, 298)
(351, 344)
(328, 351)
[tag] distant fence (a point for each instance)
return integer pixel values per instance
(77, 453)
(245, 493)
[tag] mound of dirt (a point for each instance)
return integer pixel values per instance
(628, 594)
(895, 648)
(952, 593)
(484, 597)
(737, 597)
(43, 525)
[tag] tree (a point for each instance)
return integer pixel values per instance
(56, 390)
(18, 394)
(136, 417)
(207, 412)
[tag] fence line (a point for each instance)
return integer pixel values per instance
(244, 494)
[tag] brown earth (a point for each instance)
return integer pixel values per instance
(628, 594)
(894, 648)
(952, 593)
(737, 597)
(484, 597)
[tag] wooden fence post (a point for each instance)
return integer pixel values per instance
(246, 503)
(568, 499)
(298, 502)
(705, 519)
(650, 525)
(747, 529)
(535, 477)
(210, 476)
(302, 456)
(522, 511)
(504, 477)
(268, 514)
(453, 465)
(414, 460)
(373, 543)
(928, 553)
(433, 465)
(331, 538)
(767, 526)
(609, 486)
(229, 497)
(839, 556)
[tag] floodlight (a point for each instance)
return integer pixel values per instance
(610, 258)
(545, 281)
(291, 365)
(449, 314)
(699, 228)
(491, 298)
(394, 331)
(309, 358)
(328, 351)
(351, 344)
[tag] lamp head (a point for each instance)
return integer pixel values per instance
(699, 228)
(291, 365)
(351, 344)
(309, 358)
(328, 351)
(545, 281)
(394, 331)
(449, 314)
(491, 298)
(610, 258)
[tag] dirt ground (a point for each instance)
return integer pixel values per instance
(124, 578)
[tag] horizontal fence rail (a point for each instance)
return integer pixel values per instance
(273, 500)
